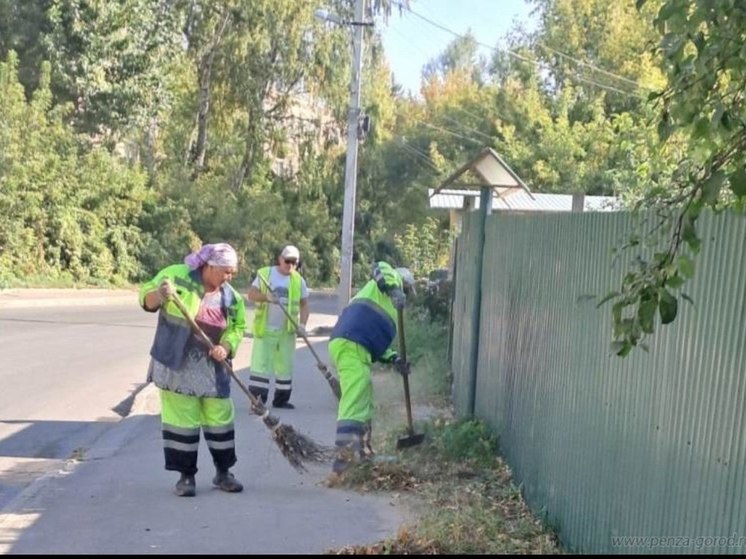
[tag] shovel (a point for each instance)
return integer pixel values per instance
(412, 439)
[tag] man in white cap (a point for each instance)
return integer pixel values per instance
(273, 350)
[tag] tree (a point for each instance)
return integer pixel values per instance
(703, 116)
(459, 55)
(108, 60)
(204, 19)
(23, 26)
(67, 212)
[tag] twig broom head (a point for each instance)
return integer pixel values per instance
(296, 447)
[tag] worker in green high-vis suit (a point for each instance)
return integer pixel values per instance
(193, 381)
(362, 335)
(273, 347)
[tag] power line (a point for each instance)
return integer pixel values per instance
(462, 125)
(515, 54)
(609, 87)
(582, 62)
(451, 132)
(419, 156)
(424, 154)
(408, 39)
(459, 108)
(418, 150)
(459, 35)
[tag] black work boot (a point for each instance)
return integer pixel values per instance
(282, 400)
(225, 481)
(186, 487)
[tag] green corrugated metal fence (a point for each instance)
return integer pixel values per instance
(607, 449)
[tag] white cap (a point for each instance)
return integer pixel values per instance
(290, 251)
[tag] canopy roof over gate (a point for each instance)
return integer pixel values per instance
(491, 172)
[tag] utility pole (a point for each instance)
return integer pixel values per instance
(353, 116)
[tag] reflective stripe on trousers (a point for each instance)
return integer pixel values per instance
(183, 416)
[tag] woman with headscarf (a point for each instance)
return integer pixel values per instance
(194, 384)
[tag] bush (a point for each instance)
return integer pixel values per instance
(436, 301)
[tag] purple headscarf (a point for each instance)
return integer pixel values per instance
(219, 254)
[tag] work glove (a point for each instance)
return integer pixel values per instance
(301, 330)
(272, 298)
(402, 367)
(389, 357)
(166, 289)
(398, 298)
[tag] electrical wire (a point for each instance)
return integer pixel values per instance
(419, 156)
(448, 131)
(520, 56)
(474, 130)
(591, 82)
(459, 108)
(423, 153)
(589, 65)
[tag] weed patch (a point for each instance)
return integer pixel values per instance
(462, 490)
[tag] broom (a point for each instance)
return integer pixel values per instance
(330, 379)
(297, 448)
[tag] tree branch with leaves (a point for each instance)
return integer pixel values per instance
(703, 46)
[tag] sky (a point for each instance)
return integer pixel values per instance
(410, 42)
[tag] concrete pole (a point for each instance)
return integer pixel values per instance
(348, 216)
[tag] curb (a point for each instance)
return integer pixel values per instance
(19, 512)
(41, 303)
(29, 298)
(44, 298)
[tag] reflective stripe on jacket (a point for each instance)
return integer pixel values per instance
(173, 331)
(369, 320)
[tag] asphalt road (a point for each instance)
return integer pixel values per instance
(80, 479)
(68, 374)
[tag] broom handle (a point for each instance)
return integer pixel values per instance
(319, 363)
(403, 357)
(197, 330)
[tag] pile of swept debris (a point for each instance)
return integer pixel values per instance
(458, 488)
(461, 491)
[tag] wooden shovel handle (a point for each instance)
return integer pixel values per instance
(403, 356)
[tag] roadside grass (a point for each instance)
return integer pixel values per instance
(459, 488)
(59, 280)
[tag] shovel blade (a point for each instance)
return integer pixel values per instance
(410, 441)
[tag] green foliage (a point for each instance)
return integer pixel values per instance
(424, 248)
(64, 210)
(462, 441)
(459, 55)
(702, 114)
(434, 302)
(108, 60)
(23, 26)
(427, 350)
